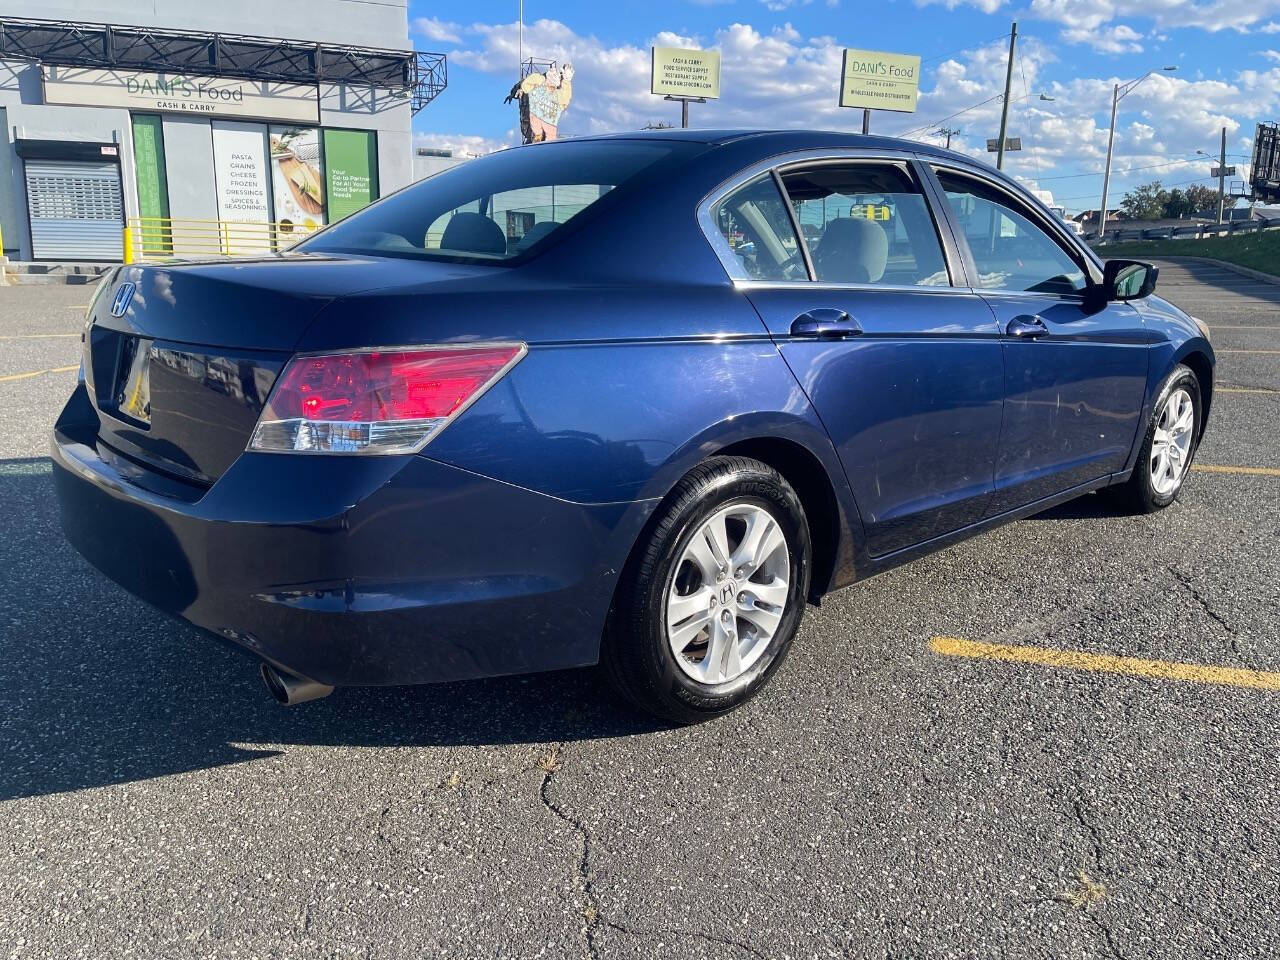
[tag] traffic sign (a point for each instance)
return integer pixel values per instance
(1220, 172)
(1010, 143)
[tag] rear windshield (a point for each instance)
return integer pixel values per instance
(497, 207)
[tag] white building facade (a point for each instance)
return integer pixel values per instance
(184, 113)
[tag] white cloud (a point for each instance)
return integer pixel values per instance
(1271, 55)
(1081, 20)
(1120, 38)
(465, 144)
(778, 5)
(433, 28)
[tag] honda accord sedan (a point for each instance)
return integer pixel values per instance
(630, 400)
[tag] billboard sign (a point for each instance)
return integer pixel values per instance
(351, 170)
(1010, 143)
(297, 177)
(181, 93)
(677, 72)
(872, 80)
(242, 179)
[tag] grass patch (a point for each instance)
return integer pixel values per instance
(1261, 251)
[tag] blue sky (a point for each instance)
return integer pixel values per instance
(781, 65)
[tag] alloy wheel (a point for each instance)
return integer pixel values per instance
(728, 593)
(1171, 444)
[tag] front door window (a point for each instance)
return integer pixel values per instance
(1009, 250)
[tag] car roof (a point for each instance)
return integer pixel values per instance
(777, 140)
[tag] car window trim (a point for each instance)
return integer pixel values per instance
(801, 245)
(951, 252)
(1084, 259)
(903, 164)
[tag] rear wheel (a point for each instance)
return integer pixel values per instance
(1169, 445)
(710, 603)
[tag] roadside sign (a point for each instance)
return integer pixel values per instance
(871, 80)
(1220, 172)
(677, 72)
(1010, 143)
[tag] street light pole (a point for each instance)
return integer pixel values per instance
(1118, 93)
(1106, 176)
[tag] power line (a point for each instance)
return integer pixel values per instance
(1180, 183)
(1125, 172)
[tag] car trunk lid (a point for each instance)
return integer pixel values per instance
(180, 358)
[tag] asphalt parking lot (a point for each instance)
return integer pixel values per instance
(891, 795)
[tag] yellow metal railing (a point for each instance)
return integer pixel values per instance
(162, 238)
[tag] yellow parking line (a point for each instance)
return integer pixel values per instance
(1249, 471)
(37, 373)
(1228, 326)
(37, 336)
(1107, 663)
(1245, 390)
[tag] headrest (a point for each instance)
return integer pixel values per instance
(535, 233)
(852, 250)
(473, 233)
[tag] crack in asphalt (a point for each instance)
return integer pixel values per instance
(594, 919)
(1213, 614)
(1105, 929)
(582, 879)
(1094, 835)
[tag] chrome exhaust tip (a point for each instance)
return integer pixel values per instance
(288, 689)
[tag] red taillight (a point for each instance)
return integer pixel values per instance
(390, 401)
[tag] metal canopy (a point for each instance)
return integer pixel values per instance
(421, 76)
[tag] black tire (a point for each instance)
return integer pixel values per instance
(636, 656)
(1138, 493)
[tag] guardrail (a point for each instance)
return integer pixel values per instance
(164, 238)
(1193, 231)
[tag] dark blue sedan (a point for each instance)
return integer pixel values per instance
(632, 400)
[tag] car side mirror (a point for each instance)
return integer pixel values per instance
(1123, 280)
(1129, 279)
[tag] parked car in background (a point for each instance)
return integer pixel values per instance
(712, 377)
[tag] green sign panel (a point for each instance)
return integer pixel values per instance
(153, 186)
(351, 171)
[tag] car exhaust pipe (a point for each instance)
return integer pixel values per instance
(288, 689)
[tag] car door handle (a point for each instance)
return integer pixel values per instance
(825, 323)
(1026, 327)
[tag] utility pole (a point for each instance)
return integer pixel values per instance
(1222, 177)
(866, 121)
(948, 132)
(520, 44)
(1008, 92)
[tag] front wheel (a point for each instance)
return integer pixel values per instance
(709, 605)
(1169, 445)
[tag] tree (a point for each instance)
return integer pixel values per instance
(1203, 198)
(1178, 205)
(1145, 202)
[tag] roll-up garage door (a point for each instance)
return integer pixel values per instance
(76, 210)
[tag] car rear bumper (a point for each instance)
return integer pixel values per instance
(356, 570)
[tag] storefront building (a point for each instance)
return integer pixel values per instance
(240, 119)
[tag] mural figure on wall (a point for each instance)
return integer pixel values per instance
(543, 99)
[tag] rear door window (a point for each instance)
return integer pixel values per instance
(757, 227)
(866, 223)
